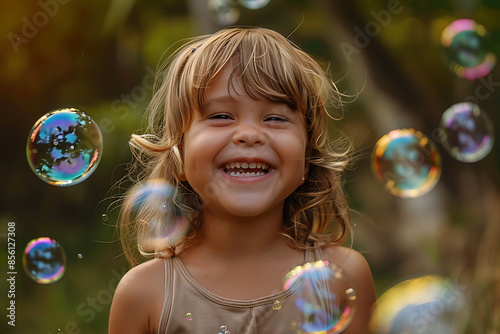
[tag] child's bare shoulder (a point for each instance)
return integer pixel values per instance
(138, 298)
(347, 258)
(149, 271)
(353, 264)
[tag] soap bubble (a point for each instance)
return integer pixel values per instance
(407, 162)
(226, 14)
(254, 4)
(160, 222)
(468, 49)
(44, 260)
(64, 147)
(323, 296)
(466, 132)
(427, 304)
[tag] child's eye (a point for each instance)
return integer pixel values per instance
(276, 119)
(220, 116)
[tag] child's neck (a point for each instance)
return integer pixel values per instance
(234, 237)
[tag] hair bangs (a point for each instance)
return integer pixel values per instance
(268, 65)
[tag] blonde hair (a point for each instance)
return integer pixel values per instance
(271, 67)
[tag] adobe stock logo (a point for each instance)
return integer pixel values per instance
(31, 26)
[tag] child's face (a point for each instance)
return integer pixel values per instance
(244, 157)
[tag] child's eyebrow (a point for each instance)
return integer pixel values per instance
(222, 99)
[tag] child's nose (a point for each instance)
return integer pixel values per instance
(249, 135)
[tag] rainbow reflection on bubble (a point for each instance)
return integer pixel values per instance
(466, 132)
(323, 296)
(254, 4)
(160, 220)
(468, 48)
(407, 162)
(64, 147)
(44, 260)
(426, 304)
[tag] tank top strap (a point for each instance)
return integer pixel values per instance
(167, 295)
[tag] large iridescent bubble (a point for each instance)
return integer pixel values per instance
(427, 304)
(407, 162)
(466, 132)
(64, 147)
(323, 295)
(468, 47)
(44, 260)
(160, 220)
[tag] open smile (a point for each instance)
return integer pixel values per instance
(246, 169)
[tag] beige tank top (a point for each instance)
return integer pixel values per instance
(189, 308)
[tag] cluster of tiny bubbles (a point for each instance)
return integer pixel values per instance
(466, 132)
(323, 297)
(468, 47)
(225, 13)
(44, 260)
(407, 162)
(425, 304)
(223, 330)
(64, 147)
(161, 221)
(254, 4)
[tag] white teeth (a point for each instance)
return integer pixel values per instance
(246, 174)
(236, 169)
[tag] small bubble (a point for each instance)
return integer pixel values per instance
(469, 49)
(254, 4)
(468, 133)
(277, 305)
(44, 260)
(223, 328)
(80, 256)
(351, 294)
(189, 316)
(407, 162)
(104, 217)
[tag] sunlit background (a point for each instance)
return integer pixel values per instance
(422, 109)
